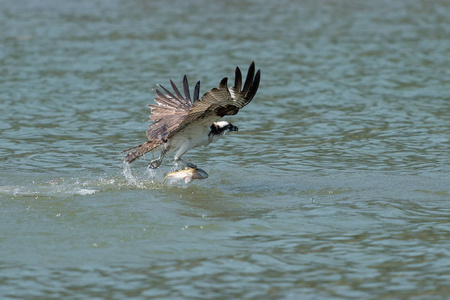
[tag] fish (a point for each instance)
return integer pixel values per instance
(187, 174)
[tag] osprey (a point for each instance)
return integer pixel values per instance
(181, 124)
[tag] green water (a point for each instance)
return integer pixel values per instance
(337, 184)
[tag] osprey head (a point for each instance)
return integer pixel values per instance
(220, 128)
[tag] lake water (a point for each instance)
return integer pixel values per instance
(337, 184)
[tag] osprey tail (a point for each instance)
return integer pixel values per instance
(139, 151)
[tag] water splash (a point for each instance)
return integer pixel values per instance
(83, 186)
(126, 171)
(148, 179)
(152, 177)
(55, 187)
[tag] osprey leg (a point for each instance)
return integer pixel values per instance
(154, 164)
(183, 149)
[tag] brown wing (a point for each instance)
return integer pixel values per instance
(222, 101)
(174, 111)
(170, 110)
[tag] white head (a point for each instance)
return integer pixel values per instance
(220, 128)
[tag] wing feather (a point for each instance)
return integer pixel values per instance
(196, 91)
(169, 112)
(222, 101)
(173, 112)
(168, 92)
(187, 95)
(249, 79)
(254, 87)
(160, 129)
(237, 79)
(163, 100)
(175, 89)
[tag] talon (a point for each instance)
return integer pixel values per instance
(154, 164)
(190, 165)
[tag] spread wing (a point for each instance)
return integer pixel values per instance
(222, 101)
(170, 111)
(173, 111)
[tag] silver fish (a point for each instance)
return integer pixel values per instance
(187, 174)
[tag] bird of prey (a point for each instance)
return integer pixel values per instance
(181, 123)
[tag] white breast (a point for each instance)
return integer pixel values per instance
(192, 136)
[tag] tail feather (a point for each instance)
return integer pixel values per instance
(139, 151)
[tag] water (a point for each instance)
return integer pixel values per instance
(335, 186)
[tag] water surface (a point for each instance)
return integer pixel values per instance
(335, 186)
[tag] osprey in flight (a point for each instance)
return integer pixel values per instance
(181, 124)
